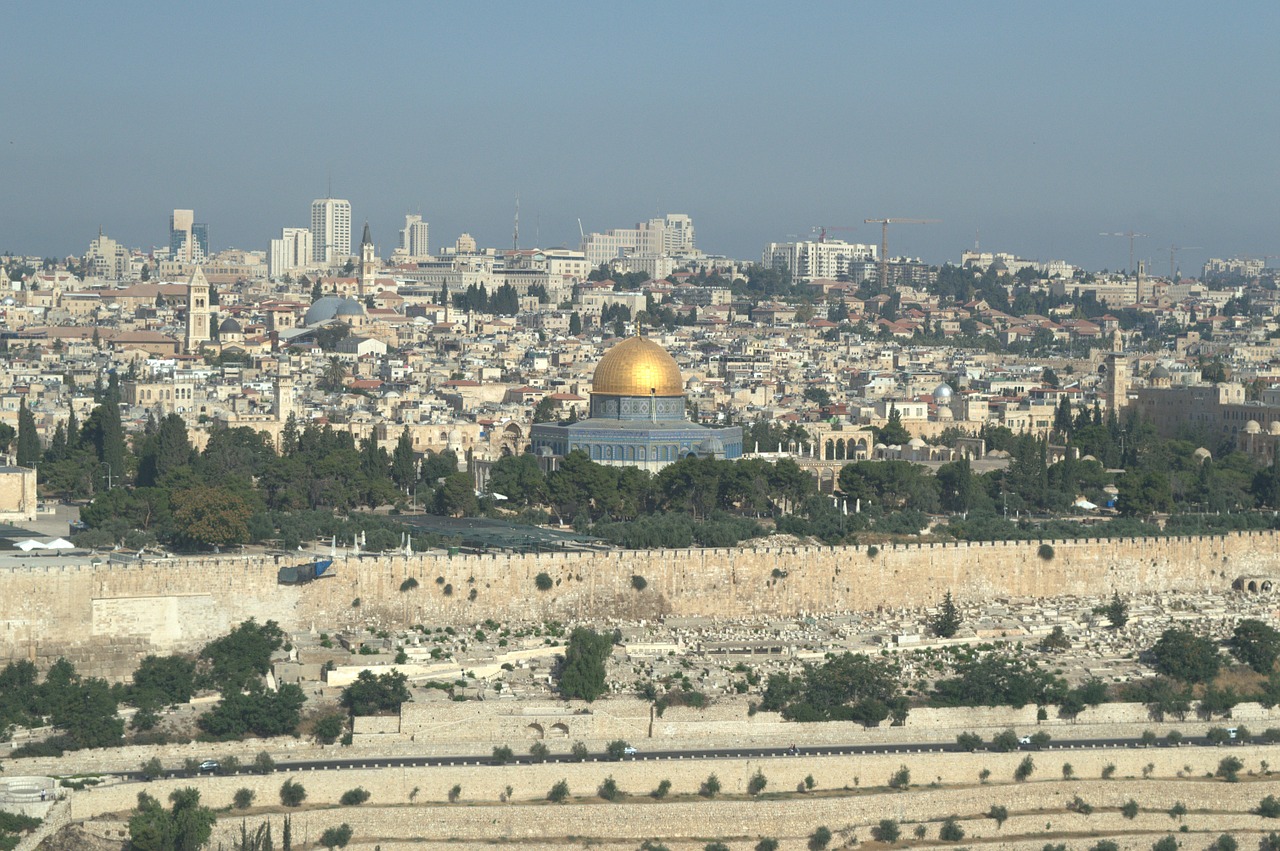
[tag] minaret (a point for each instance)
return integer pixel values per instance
(284, 405)
(1117, 382)
(367, 260)
(198, 317)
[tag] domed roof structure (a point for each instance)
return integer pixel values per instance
(324, 309)
(1159, 371)
(229, 326)
(1252, 427)
(942, 392)
(637, 367)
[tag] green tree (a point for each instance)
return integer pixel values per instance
(336, 837)
(163, 680)
(86, 711)
(894, 432)
(292, 793)
(334, 377)
(241, 656)
(519, 479)
(1117, 611)
(957, 488)
(403, 468)
(375, 694)
(456, 497)
(186, 826)
(575, 324)
(545, 410)
(1185, 656)
(28, 438)
(207, 516)
(947, 622)
(582, 675)
(258, 711)
(820, 839)
(1255, 644)
(166, 451)
(887, 831)
(354, 797)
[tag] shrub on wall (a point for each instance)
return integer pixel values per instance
(543, 582)
(354, 797)
(292, 794)
(1045, 552)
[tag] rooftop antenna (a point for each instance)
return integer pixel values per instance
(515, 235)
(977, 232)
(581, 233)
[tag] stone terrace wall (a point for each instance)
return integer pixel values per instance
(106, 616)
(478, 818)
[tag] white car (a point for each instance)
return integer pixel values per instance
(1024, 740)
(629, 750)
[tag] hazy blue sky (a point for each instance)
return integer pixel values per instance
(1042, 124)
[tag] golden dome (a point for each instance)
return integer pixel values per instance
(637, 367)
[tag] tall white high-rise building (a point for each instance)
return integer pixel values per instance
(330, 229)
(670, 235)
(829, 258)
(413, 239)
(292, 251)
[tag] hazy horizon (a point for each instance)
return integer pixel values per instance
(1041, 126)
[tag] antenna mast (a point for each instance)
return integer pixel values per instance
(515, 235)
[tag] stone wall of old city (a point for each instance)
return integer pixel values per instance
(105, 616)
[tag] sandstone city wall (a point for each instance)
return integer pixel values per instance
(105, 616)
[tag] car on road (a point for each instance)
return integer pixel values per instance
(629, 750)
(1232, 732)
(1024, 740)
(209, 765)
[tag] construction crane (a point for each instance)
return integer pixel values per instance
(1131, 237)
(822, 231)
(1173, 251)
(884, 242)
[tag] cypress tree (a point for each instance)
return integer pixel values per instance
(28, 440)
(402, 466)
(289, 437)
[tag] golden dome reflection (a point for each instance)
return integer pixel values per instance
(637, 367)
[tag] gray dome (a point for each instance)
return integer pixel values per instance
(229, 326)
(324, 309)
(1161, 372)
(713, 445)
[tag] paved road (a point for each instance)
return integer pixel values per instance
(712, 753)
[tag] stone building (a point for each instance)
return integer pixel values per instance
(17, 494)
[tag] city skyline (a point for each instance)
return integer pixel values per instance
(1037, 128)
